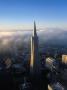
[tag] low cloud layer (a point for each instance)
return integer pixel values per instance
(48, 36)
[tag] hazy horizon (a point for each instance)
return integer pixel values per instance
(20, 14)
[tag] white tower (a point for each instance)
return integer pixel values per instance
(34, 62)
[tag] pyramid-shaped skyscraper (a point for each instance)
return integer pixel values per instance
(34, 62)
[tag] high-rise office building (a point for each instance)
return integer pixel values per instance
(34, 62)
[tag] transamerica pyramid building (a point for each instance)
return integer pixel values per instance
(34, 62)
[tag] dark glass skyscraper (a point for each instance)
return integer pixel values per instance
(34, 62)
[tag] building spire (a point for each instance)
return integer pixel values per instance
(34, 31)
(34, 62)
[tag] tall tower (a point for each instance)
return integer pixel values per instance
(34, 62)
